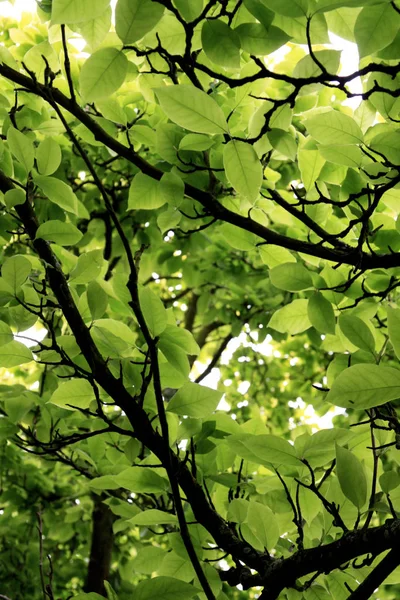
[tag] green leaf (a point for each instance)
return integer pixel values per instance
(77, 11)
(351, 476)
(194, 400)
(263, 525)
(164, 588)
(375, 28)
(334, 127)
(307, 66)
(291, 276)
(135, 18)
(15, 271)
(145, 193)
(172, 188)
(238, 510)
(238, 238)
(321, 314)
(310, 165)
(181, 337)
(388, 145)
(364, 386)
(88, 267)
(288, 8)
(292, 318)
(259, 40)
(14, 354)
(97, 300)
(243, 169)
(118, 329)
(319, 449)
(102, 74)
(196, 141)
(21, 147)
(283, 142)
(63, 234)
(141, 480)
(389, 480)
(153, 311)
(357, 332)
(6, 335)
(61, 194)
(339, 154)
(393, 323)
(272, 256)
(14, 197)
(95, 30)
(264, 449)
(192, 109)
(73, 393)
(153, 516)
(221, 43)
(48, 156)
(111, 595)
(176, 566)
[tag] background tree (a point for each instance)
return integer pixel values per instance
(173, 187)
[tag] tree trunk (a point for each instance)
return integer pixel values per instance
(101, 547)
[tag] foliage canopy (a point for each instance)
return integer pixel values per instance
(200, 178)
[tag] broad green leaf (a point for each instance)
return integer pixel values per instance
(264, 449)
(164, 588)
(291, 276)
(14, 354)
(117, 328)
(292, 318)
(283, 142)
(63, 234)
(351, 475)
(97, 300)
(243, 169)
(6, 335)
(88, 267)
(388, 145)
(238, 510)
(174, 355)
(176, 566)
(289, 8)
(389, 480)
(111, 595)
(153, 517)
(61, 194)
(221, 43)
(310, 165)
(319, 449)
(168, 219)
(375, 28)
(263, 525)
(192, 109)
(73, 393)
(194, 400)
(364, 386)
(21, 147)
(95, 30)
(238, 238)
(77, 11)
(334, 127)
(135, 18)
(14, 197)
(339, 154)
(307, 67)
(196, 141)
(141, 480)
(15, 271)
(272, 256)
(357, 332)
(153, 311)
(259, 40)
(112, 110)
(48, 156)
(181, 337)
(393, 322)
(321, 314)
(148, 559)
(145, 193)
(103, 73)
(172, 188)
